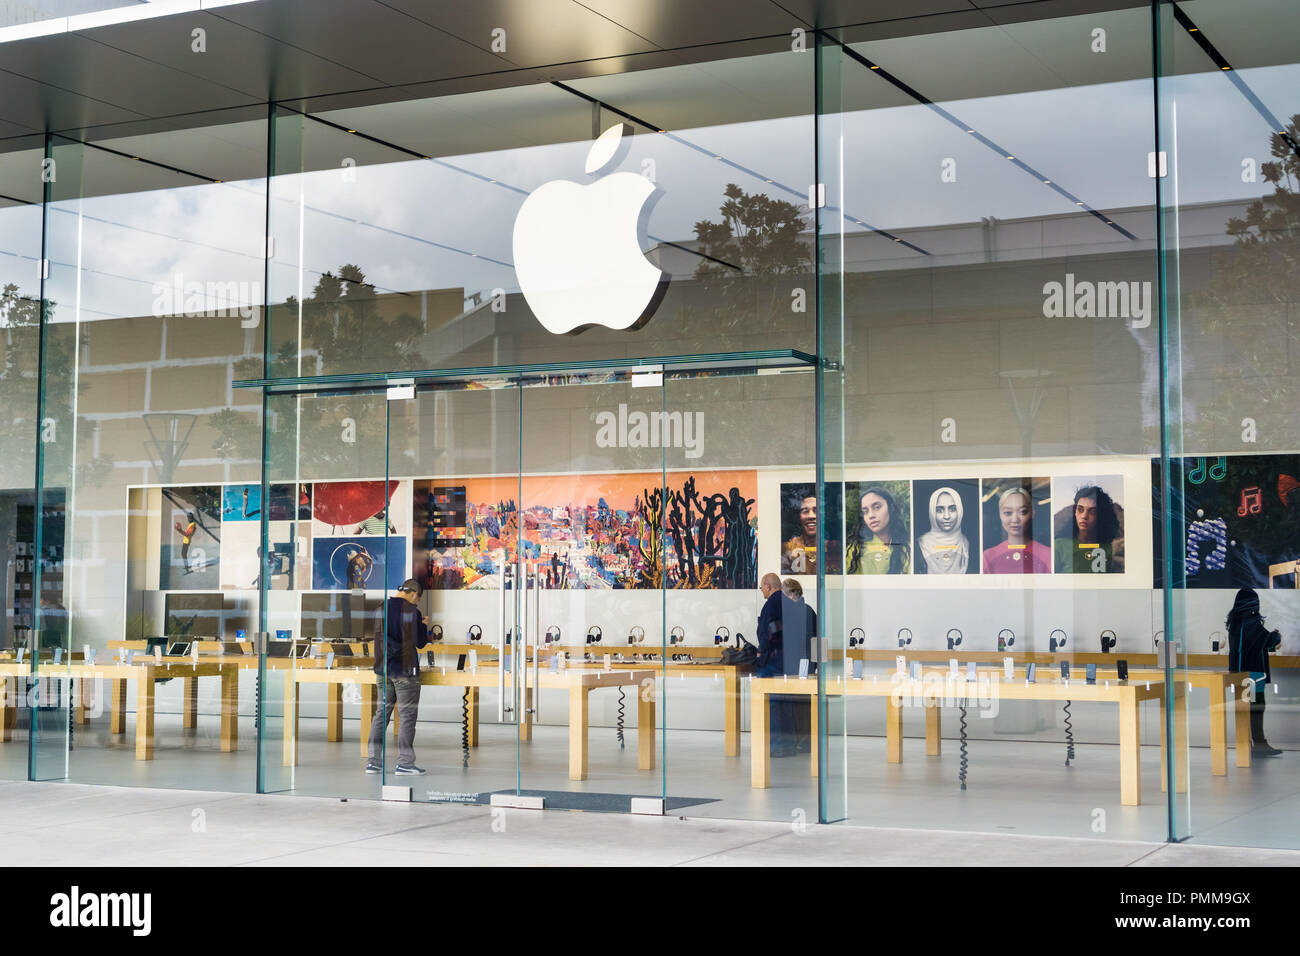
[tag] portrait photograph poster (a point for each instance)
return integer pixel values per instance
(1052, 486)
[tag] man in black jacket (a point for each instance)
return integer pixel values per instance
(771, 662)
(398, 665)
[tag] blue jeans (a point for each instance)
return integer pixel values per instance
(402, 693)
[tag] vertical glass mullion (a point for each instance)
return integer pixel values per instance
(832, 783)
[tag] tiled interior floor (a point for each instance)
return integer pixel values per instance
(1014, 786)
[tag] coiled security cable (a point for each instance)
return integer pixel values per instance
(620, 716)
(464, 726)
(1069, 735)
(961, 773)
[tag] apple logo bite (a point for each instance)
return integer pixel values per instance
(576, 252)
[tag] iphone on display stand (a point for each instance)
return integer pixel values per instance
(1121, 669)
(857, 670)
(1092, 673)
(901, 663)
(1065, 670)
(1008, 668)
(1030, 674)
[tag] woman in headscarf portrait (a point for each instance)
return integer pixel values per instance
(952, 515)
(881, 541)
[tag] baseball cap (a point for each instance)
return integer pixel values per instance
(413, 586)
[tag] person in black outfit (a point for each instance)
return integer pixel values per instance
(771, 663)
(398, 663)
(800, 628)
(1248, 645)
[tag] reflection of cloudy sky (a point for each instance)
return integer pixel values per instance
(416, 224)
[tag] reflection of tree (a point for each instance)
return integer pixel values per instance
(753, 253)
(1259, 272)
(343, 330)
(20, 320)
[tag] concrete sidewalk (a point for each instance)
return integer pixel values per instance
(56, 824)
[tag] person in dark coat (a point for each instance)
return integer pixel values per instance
(771, 663)
(1248, 645)
(801, 625)
(397, 662)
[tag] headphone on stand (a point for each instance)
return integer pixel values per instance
(903, 642)
(474, 634)
(435, 634)
(951, 642)
(552, 635)
(1053, 643)
(1156, 638)
(593, 634)
(722, 636)
(636, 635)
(1215, 641)
(1108, 642)
(1005, 642)
(856, 641)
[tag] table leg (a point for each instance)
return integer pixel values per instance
(369, 692)
(1218, 729)
(473, 716)
(229, 708)
(1241, 717)
(577, 732)
(1130, 747)
(82, 698)
(144, 713)
(645, 726)
(813, 726)
(334, 712)
(117, 712)
(933, 728)
(1180, 737)
(190, 708)
(290, 720)
(9, 701)
(760, 741)
(731, 711)
(526, 725)
(894, 729)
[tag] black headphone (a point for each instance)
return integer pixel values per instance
(475, 633)
(677, 635)
(902, 642)
(1156, 637)
(552, 634)
(1053, 643)
(1108, 642)
(855, 641)
(1004, 643)
(636, 635)
(721, 636)
(435, 633)
(593, 634)
(951, 642)
(1214, 642)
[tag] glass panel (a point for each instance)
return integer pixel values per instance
(996, 234)
(1228, 123)
(21, 191)
(595, 559)
(153, 300)
(454, 459)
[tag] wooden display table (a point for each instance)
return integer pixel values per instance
(145, 673)
(931, 694)
(579, 684)
(1146, 660)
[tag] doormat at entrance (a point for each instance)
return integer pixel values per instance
(564, 800)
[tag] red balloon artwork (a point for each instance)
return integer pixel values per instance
(349, 502)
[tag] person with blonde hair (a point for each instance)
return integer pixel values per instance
(1018, 552)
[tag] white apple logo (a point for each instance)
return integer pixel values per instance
(576, 252)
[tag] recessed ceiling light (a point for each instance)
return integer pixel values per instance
(1011, 157)
(1047, 180)
(970, 131)
(1225, 68)
(875, 67)
(351, 131)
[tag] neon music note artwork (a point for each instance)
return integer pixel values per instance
(1196, 474)
(1219, 470)
(1252, 501)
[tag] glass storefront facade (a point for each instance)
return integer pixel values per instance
(591, 353)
